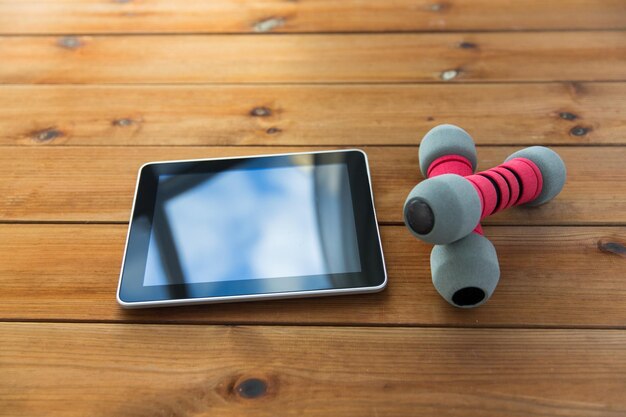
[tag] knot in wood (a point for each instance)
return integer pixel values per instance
(567, 116)
(615, 248)
(123, 122)
(69, 42)
(260, 112)
(579, 131)
(268, 24)
(436, 7)
(449, 74)
(251, 388)
(46, 135)
(467, 45)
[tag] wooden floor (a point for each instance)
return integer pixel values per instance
(91, 89)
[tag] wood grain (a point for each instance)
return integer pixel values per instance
(97, 183)
(551, 276)
(132, 370)
(546, 114)
(536, 56)
(232, 16)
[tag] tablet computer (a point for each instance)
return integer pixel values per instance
(257, 227)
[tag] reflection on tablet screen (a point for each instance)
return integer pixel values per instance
(252, 222)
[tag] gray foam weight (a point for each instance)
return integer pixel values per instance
(455, 205)
(445, 140)
(465, 272)
(552, 170)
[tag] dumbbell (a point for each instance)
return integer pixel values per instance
(466, 271)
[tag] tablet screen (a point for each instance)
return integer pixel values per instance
(252, 227)
(252, 223)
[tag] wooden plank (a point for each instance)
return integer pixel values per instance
(536, 56)
(97, 183)
(547, 114)
(309, 371)
(232, 16)
(551, 276)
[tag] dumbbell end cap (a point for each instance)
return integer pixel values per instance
(468, 297)
(442, 209)
(553, 171)
(446, 140)
(419, 216)
(465, 273)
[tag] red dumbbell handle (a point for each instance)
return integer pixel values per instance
(450, 164)
(512, 183)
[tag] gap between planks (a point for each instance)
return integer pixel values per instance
(346, 325)
(333, 33)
